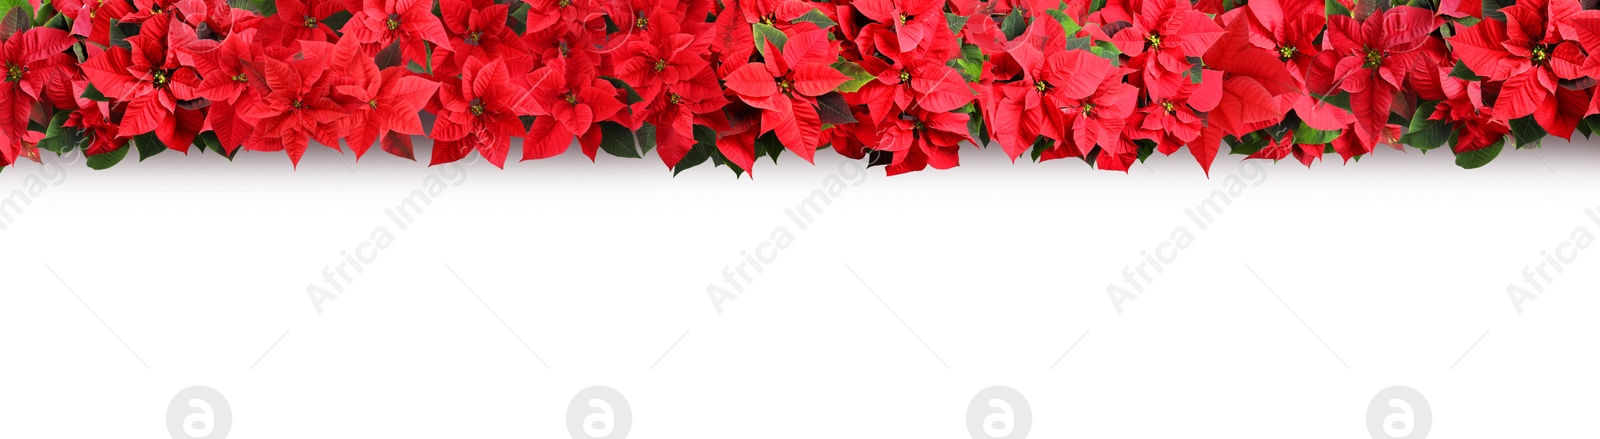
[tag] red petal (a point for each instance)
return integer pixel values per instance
(752, 80)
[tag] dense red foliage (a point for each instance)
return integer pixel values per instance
(906, 84)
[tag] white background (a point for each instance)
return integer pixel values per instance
(186, 270)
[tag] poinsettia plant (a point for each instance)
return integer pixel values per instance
(903, 84)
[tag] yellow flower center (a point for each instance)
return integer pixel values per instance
(239, 78)
(1168, 106)
(393, 22)
(310, 22)
(1041, 86)
(1286, 52)
(14, 72)
(373, 104)
(1154, 40)
(661, 64)
(904, 76)
(572, 99)
(641, 22)
(1540, 54)
(674, 98)
(1374, 58)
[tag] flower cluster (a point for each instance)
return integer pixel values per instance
(900, 83)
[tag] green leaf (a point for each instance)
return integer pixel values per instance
(695, 157)
(214, 145)
(833, 110)
(267, 8)
(818, 18)
(1527, 131)
(616, 140)
(765, 33)
(1306, 135)
(17, 19)
(976, 129)
(93, 94)
(1014, 24)
(107, 160)
(1250, 144)
(1476, 159)
(1425, 134)
(1068, 25)
(858, 76)
(768, 146)
(956, 22)
(518, 19)
(1333, 7)
(1462, 71)
(148, 145)
(1078, 43)
(1340, 99)
(647, 138)
(1593, 123)
(57, 137)
(59, 21)
(1491, 9)
(1105, 49)
(1040, 145)
(119, 35)
(1147, 147)
(416, 68)
(632, 95)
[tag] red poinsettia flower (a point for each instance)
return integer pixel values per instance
(543, 14)
(296, 107)
(301, 20)
(226, 67)
(659, 57)
(912, 21)
(92, 18)
(381, 22)
(786, 86)
(478, 112)
(146, 9)
(477, 29)
(1281, 148)
(570, 100)
(922, 138)
(1039, 93)
(216, 18)
(1473, 122)
(152, 83)
(678, 108)
(1371, 59)
(1074, 98)
(1098, 119)
(1532, 56)
(32, 59)
(1176, 120)
(1163, 36)
(1289, 28)
(1254, 87)
(917, 77)
(378, 104)
(96, 120)
(733, 27)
